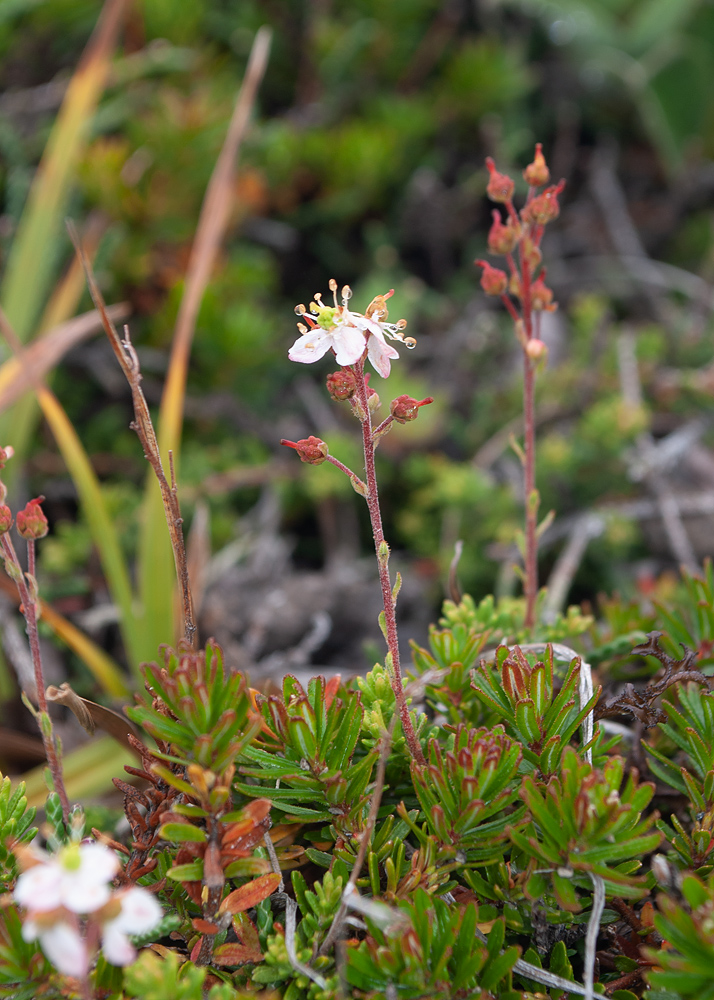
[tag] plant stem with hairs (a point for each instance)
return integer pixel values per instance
(381, 546)
(525, 282)
(27, 589)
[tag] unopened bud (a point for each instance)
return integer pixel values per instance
(500, 186)
(6, 454)
(373, 401)
(31, 522)
(536, 173)
(501, 239)
(406, 408)
(493, 280)
(312, 450)
(5, 519)
(536, 349)
(341, 385)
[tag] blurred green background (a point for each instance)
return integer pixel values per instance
(365, 163)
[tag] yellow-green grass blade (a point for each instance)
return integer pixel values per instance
(104, 669)
(28, 274)
(98, 518)
(88, 771)
(156, 566)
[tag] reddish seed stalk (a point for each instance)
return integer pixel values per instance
(375, 517)
(29, 611)
(531, 556)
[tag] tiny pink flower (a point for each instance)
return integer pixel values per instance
(348, 334)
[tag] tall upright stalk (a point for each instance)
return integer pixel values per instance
(382, 549)
(525, 283)
(353, 337)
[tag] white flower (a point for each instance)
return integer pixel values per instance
(348, 333)
(76, 881)
(62, 944)
(140, 912)
(76, 878)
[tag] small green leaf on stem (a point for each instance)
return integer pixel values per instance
(383, 552)
(533, 502)
(383, 625)
(545, 523)
(396, 588)
(513, 442)
(358, 486)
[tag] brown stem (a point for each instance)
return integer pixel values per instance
(127, 358)
(29, 612)
(382, 550)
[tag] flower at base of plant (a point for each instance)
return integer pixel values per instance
(5, 518)
(348, 333)
(536, 349)
(312, 450)
(494, 281)
(56, 889)
(502, 239)
(500, 186)
(31, 522)
(341, 385)
(406, 408)
(536, 173)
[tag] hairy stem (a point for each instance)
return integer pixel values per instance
(29, 612)
(530, 496)
(382, 550)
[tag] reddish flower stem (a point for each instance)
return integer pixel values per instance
(531, 497)
(375, 517)
(29, 611)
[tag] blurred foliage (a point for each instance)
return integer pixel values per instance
(365, 163)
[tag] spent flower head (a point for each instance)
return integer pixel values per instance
(347, 333)
(31, 522)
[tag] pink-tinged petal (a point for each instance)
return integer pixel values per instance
(40, 888)
(64, 947)
(140, 912)
(379, 353)
(84, 896)
(98, 863)
(116, 946)
(310, 346)
(349, 345)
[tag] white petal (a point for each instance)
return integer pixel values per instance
(65, 949)
(83, 896)
(310, 346)
(116, 946)
(349, 345)
(98, 862)
(379, 353)
(39, 888)
(140, 911)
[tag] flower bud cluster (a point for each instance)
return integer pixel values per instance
(522, 232)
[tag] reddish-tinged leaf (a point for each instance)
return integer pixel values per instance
(204, 926)
(251, 894)
(331, 689)
(236, 954)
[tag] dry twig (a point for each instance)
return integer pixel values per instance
(127, 358)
